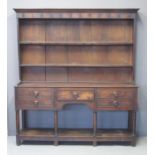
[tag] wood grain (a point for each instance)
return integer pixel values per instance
(32, 55)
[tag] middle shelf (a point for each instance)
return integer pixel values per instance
(76, 65)
(77, 56)
(75, 43)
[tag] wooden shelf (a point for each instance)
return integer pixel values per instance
(113, 133)
(75, 65)
(37, 133)
(73, 84)
(68, 133)
(89, 132)
(75, 43)
(75, 132)
(32, 65)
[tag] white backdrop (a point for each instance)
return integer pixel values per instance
(141, 68)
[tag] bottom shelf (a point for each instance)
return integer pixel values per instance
(113, 133)
(37, 133)
(76, 135)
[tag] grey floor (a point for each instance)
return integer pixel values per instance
(140, 149)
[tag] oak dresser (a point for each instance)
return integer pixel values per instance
(76, 56)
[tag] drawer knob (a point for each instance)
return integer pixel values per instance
(115, 103)
(75, 94)
(36, 102)
(36, 93)
(115, 94)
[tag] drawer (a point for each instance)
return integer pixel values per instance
(34, 92)
(34, 98)
(115, 92)
(75, 95)
(31, 103)
(120, 103)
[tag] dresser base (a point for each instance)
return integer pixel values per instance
(111, 97)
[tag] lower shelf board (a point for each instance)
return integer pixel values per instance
(75, 135)
(113, 133)
(75, 132)
(37, 133)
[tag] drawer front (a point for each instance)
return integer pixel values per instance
(34, 92)
(115, 93)
(30, 103)
(113, 104)
(34, 98)
(75, 95)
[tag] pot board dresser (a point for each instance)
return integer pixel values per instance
(76, 56)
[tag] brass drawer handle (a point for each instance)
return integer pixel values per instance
(115, 103)
(115, 94)
(36, 102)
(75, 94)
(36, 93)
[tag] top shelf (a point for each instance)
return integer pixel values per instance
(74, 43)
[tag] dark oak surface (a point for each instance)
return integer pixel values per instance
(76, 56)
(75, 84)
